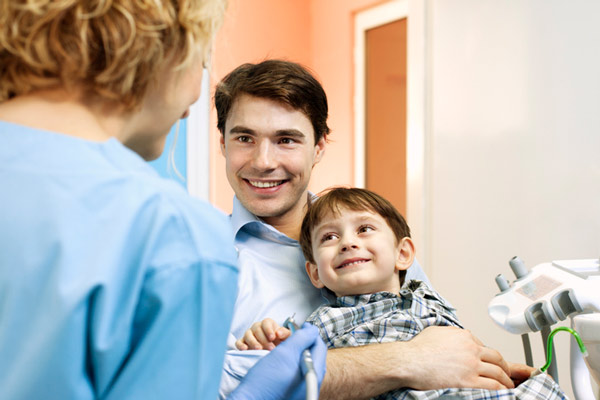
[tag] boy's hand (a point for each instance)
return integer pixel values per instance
(264, 335)
(278, 375)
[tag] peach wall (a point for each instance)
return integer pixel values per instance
(253, 31)
(318, 34)
(332, 37)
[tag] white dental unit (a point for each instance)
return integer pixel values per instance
(546, 295)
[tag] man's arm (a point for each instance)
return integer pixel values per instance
(438, 357)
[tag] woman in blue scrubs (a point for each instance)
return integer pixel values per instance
(114, 283)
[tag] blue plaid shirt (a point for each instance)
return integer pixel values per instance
(389, 317)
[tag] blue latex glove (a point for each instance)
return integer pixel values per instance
(278, 375)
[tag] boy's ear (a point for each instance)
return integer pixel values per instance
(313, 274)
(406, 254)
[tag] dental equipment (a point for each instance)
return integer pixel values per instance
(308, 367)
(550, 346)
(547, 294)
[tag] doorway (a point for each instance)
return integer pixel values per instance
(385, 119)
(381, 102)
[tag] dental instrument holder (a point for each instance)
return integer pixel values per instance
(545, 295)
(308, 367)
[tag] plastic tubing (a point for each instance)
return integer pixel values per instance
(551, 338)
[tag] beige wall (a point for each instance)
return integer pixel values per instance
(514, 149)
(315, 33)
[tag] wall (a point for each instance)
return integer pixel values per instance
(332, 58)
(515, 148)
(253, 31)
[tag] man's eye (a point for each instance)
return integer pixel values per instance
(287, 141)
(243, 139)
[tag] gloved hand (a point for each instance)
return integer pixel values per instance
(278, 375)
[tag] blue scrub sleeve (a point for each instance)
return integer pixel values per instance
(278, 375)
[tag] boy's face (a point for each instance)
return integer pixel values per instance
(270, 151)
(356, 252)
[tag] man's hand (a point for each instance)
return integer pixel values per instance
(438, 357)
(519, 373)
(264, 335)
(443, 357)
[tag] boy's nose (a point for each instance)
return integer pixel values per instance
(348, 246)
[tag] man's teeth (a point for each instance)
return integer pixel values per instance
(265, 184)
(352, 263)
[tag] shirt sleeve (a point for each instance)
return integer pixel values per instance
(177, 330)
(236, 366)
(181, 308)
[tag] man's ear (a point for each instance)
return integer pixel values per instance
(406, 254)
(319, 150)
(313, 274)
(222, 142)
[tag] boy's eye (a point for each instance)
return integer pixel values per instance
(287, 141)
(328, 236)
(365, 228)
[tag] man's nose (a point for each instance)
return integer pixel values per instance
(264, 157)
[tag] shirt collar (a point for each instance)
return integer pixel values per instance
(242, 219)
(363, 299)
(240, 216)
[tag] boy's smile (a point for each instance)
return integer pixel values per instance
(352, 261)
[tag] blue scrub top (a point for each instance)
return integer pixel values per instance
(114, 283)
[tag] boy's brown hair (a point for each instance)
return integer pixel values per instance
(335, 200)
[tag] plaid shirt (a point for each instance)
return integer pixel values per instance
(388, 317)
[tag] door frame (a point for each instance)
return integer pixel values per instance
(198, 143)
(365, 20)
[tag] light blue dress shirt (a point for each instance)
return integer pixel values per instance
(114, 283)
(272, 284)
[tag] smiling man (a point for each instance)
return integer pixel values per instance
(270, 150)
(273, 122)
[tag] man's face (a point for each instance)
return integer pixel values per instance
(270, 151)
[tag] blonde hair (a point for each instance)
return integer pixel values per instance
(112, 49)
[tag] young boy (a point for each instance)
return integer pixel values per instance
(358, 246)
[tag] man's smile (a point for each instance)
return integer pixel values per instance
(264, 184)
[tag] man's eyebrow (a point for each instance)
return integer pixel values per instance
(290, 133)
(241, 129)
(279, 133)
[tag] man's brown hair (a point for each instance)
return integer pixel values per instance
(278, 80)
